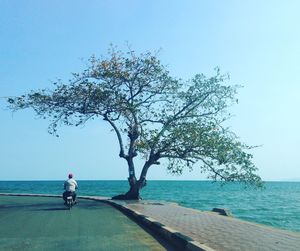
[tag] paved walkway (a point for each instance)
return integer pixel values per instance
(215, 231)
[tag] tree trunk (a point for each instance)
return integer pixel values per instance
(134, 191)
(135, 185)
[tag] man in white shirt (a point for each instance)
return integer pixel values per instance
(70, 187)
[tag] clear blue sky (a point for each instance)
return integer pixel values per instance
(257, 42)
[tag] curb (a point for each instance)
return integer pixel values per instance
(31, 195)
(176, 238)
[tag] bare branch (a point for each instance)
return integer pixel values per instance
(121, 154)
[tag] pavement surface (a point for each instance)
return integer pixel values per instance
(39, 223)
(214, 231)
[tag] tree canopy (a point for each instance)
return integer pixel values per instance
(153, 114)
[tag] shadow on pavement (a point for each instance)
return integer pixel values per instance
(53, 209)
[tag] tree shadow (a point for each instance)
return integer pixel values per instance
(53, 209)
(81, 204)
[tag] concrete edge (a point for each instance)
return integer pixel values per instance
(54, 196)
(176, 238)
(31, 195)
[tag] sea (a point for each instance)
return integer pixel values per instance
(277, 205)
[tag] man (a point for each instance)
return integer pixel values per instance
(70, 187)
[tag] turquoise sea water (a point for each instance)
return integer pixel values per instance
(278, 205)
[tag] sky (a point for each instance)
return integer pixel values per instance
(256, 42)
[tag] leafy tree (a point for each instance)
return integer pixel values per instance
(153, 115)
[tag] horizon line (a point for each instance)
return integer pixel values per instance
(207, 180)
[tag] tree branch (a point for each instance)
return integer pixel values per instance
(121, 154)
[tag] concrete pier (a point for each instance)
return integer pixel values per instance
(189, 229)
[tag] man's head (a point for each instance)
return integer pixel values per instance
(70, 175)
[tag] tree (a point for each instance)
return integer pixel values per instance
(154, 115)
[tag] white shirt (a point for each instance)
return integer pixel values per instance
(70, 185)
